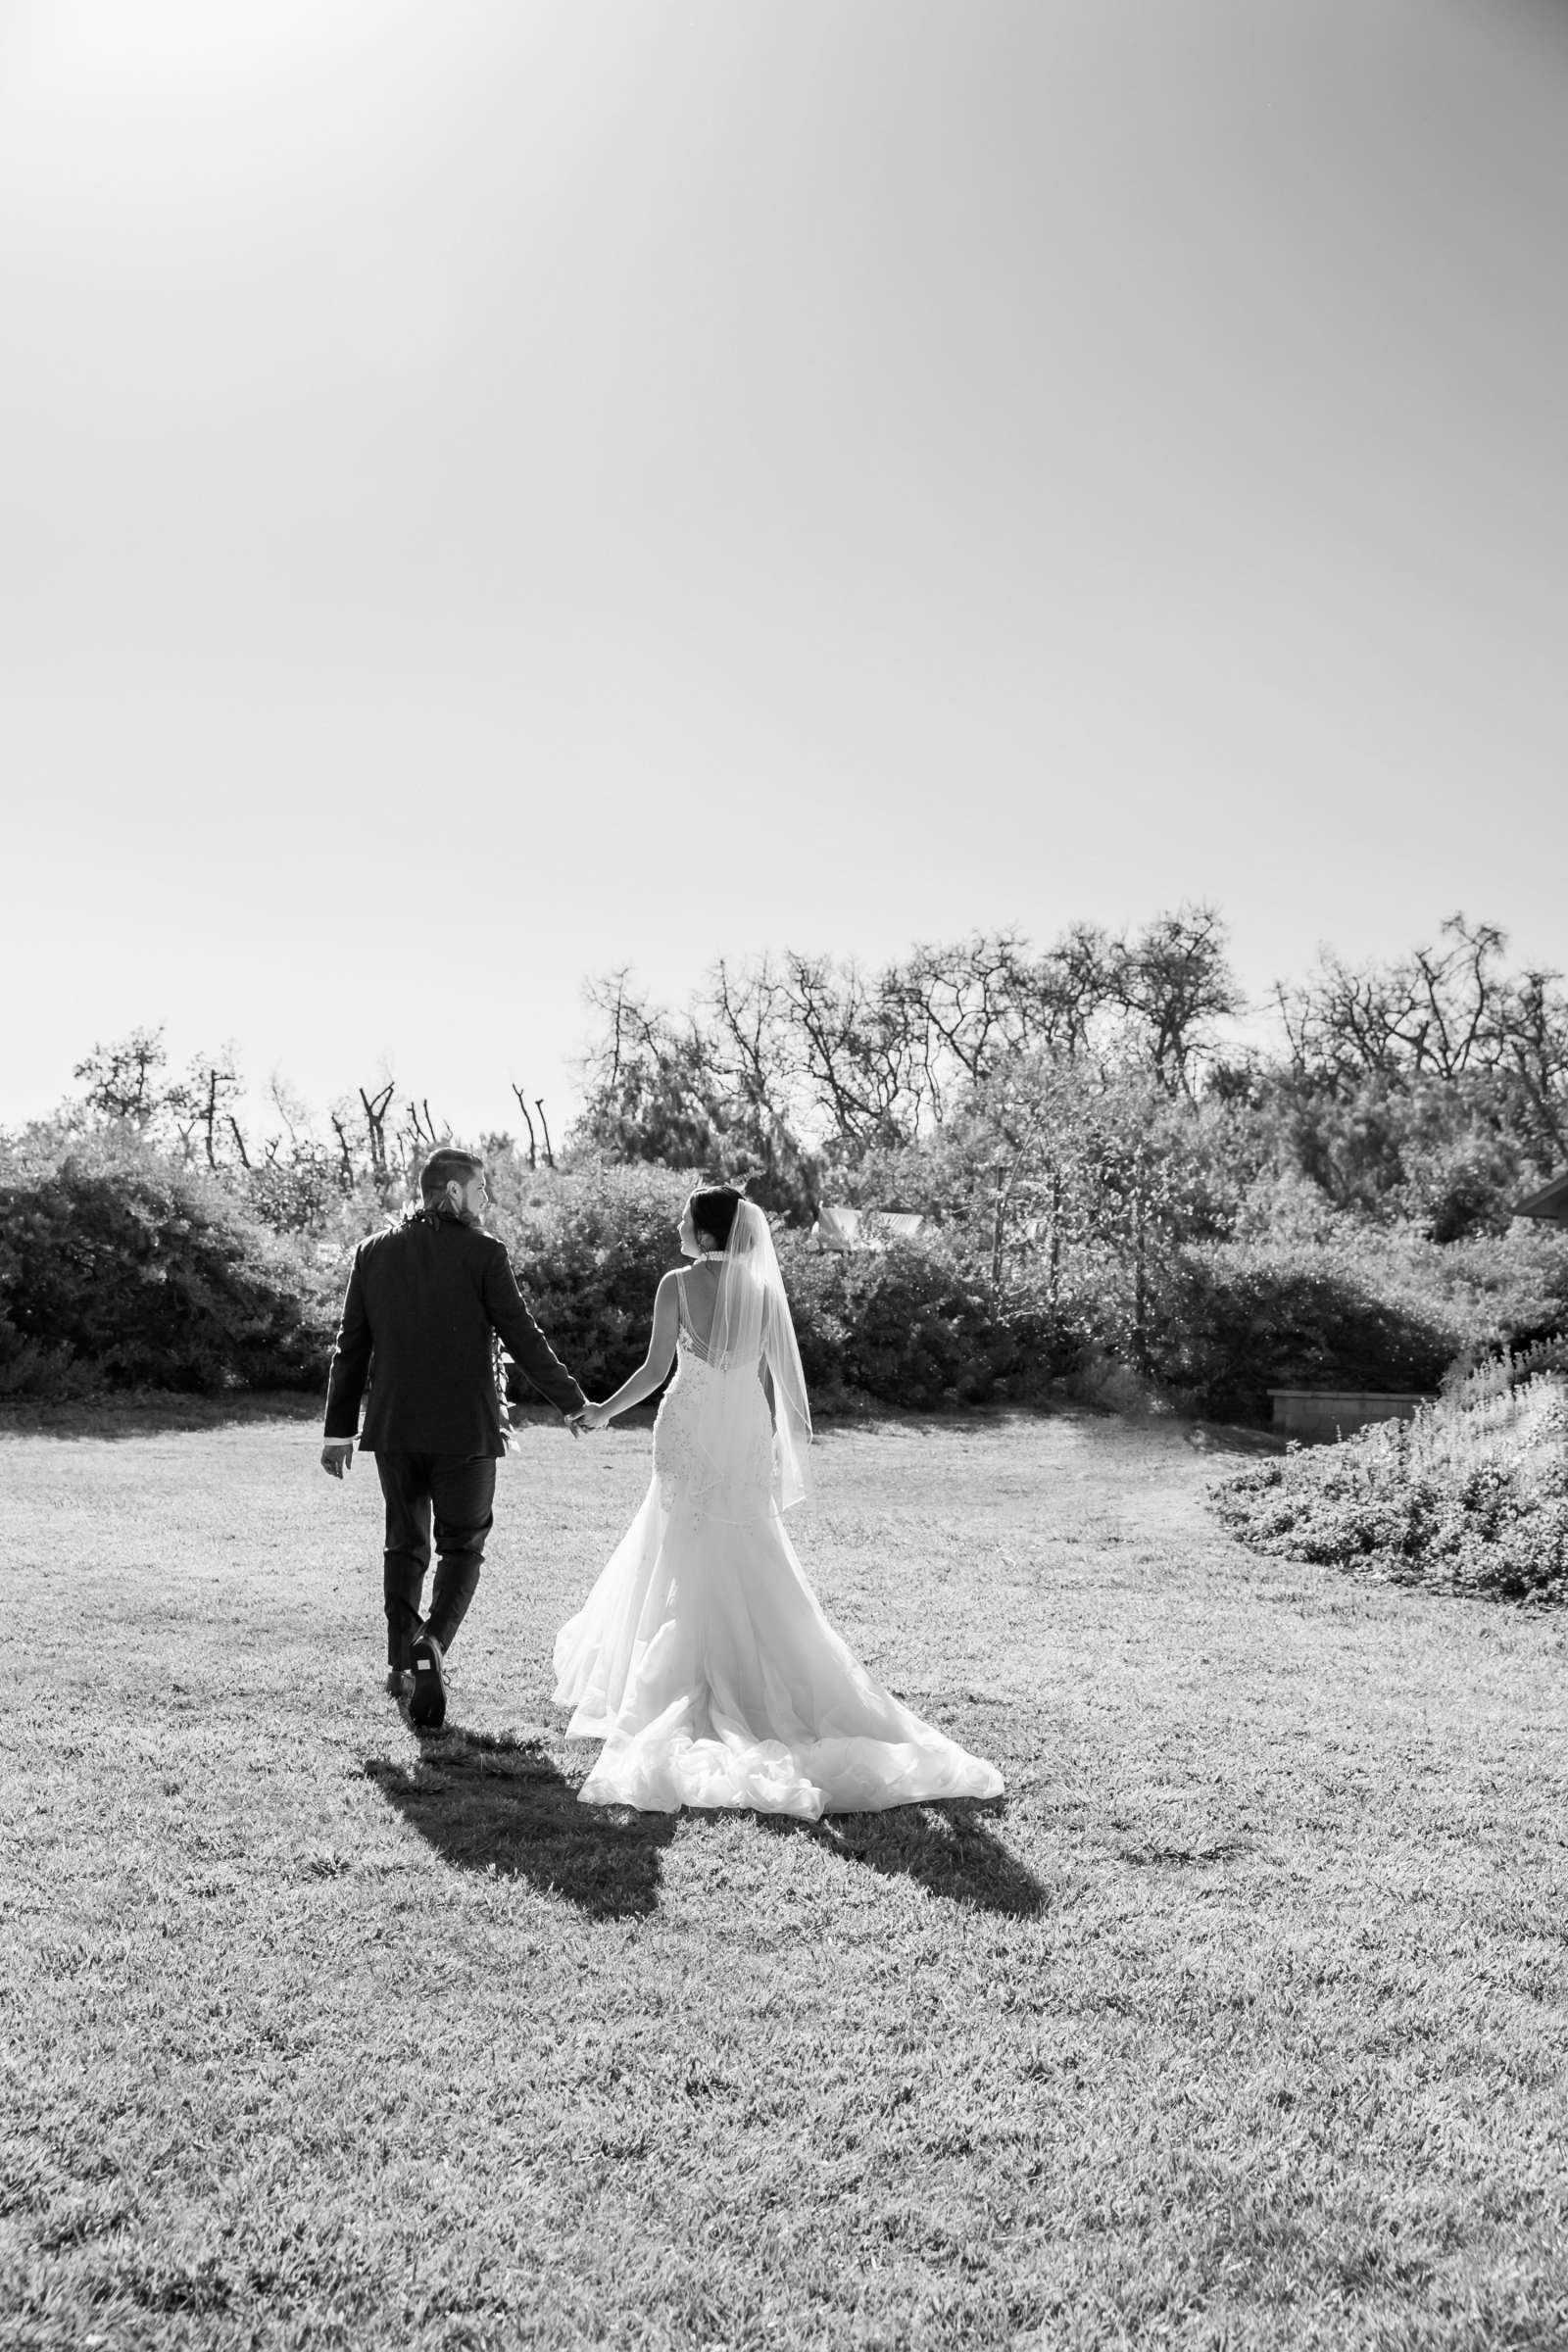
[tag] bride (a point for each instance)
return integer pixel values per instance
(701, 1658)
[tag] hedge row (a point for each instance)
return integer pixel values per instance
(123, 1272)
(907, 1327)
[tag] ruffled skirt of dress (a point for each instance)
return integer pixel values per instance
(702, 1660)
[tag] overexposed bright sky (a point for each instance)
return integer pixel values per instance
(494, 490)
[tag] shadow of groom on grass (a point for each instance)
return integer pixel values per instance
(946, 1849)
(497, 1802)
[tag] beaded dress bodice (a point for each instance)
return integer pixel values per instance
(679, 1461)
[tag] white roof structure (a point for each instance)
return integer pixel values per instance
(863, 1228)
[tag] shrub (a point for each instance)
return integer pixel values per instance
(898, 1325)
(304, 1193)
(589, 1247)
(1471, 1496)
(132, 1273)
(907, 1327)
(1238, 1318)
(1351, 1309)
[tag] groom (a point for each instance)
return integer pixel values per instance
(423, 1302)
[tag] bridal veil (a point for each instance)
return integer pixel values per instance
(753, 1334)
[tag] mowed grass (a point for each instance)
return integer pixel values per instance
(1240, 2022)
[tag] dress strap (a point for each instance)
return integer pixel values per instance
(694, 1340)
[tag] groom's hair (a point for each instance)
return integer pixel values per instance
(713, 1211)
(449, 1165)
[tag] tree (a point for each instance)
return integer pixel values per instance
(856, 1050)
(1175, 982)
(1533, 1049)
(202, 1104)
(647, 1083)
(968, 1007)
(669, 1091)
(1425, 1086)
(1098, 1174)
(784, 1059)
(375, 1108)
(123, 1081)
(1436, 1011)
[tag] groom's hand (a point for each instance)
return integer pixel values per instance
(336, 1455)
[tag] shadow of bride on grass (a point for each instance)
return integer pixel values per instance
(946, 1849)
(497, 1802)
(489, 1801)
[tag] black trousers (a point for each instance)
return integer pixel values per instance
(457, 1491)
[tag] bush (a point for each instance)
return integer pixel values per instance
(122, 1267)
(303, 1193)
(1350, 1310)
(589, 1247)
(132, 1273)
(898, 1325)
(1239, 1318)
(906, 1326)
(1471, 1496)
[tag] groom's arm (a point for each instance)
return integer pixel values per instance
(523, 1340)
(351, 1362)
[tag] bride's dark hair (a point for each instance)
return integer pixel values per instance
(714, 1212)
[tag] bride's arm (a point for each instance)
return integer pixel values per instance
(654, 1370)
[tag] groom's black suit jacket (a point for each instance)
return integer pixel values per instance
(422, 1302)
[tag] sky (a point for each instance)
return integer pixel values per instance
(496, 491)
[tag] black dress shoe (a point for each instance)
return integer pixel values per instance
(428, 1702)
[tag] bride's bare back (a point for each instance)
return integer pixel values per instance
(699, 1294)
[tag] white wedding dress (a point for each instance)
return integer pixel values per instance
(702, 1659)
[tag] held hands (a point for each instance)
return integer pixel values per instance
(592, 1417)
(337, 1455)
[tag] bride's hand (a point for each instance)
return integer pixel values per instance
(594, 1416)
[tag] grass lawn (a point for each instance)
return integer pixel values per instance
(1238, 2022)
